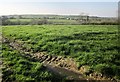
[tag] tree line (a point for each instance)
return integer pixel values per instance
(4, 20)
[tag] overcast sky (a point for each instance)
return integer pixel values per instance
(90, 7)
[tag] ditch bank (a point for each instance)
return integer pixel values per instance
(63, 66)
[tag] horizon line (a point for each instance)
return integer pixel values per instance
(59, 15)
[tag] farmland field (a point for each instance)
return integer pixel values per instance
(49, 21)
(93, 46)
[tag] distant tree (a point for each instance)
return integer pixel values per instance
(5, 20)
(39, 21)
(83, 18)
(0, 20)
(44, 21)
(33, 22)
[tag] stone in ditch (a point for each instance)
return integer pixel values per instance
(54, 58)
(58, 58)
(49, 58)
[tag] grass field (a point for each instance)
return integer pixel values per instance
(18, 68)
(53, 21)
(92, 45)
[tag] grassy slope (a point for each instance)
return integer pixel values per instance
(95, 46)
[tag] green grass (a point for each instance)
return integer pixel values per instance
(93, 45)
(19, 68)
(63, 21)
(53, 21)
(23, 20)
